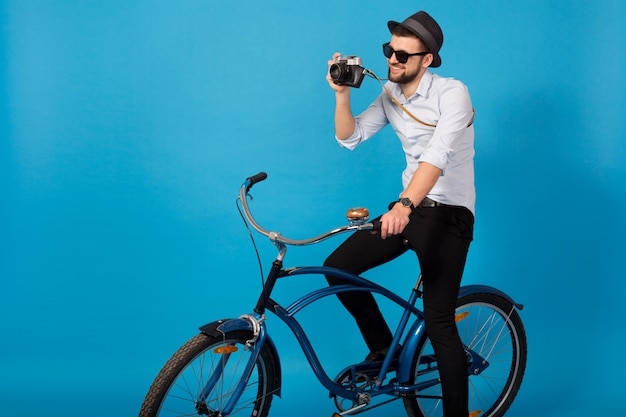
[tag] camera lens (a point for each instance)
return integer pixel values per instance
(339, 72)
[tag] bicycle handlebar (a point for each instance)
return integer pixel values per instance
(250, 181)
(276, 236)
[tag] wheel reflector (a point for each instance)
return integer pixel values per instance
(457, 319)
(224, 350)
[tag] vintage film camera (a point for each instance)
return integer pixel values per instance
(347, 71)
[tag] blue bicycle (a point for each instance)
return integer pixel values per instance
(232, 366)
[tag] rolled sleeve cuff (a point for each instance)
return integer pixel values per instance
(351, 142)
(436, 157)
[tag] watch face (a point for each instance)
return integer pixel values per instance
(406, 202)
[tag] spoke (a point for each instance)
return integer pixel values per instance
(484, 340)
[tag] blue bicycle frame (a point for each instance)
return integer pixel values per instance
(254, 323)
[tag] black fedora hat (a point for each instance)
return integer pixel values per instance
(424, 27)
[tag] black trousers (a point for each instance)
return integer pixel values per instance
(440, 236)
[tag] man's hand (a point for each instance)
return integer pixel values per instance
(394, 221)
(344, 120)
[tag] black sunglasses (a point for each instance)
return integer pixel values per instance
(401, 56)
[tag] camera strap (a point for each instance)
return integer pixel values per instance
(404, 109)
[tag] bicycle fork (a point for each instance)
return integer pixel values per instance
(255, 344)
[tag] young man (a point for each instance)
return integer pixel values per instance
(432, 116)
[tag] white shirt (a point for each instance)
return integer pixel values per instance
(449, 146)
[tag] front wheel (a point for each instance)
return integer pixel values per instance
(495, 342)
(180, 388)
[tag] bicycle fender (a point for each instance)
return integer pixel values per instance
(219, 327)
(409, 347)
(485, 289)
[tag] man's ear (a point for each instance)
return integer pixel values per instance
(428, 59)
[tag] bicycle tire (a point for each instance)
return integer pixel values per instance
(494, 330)
(176, 388)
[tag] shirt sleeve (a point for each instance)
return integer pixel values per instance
(367, 124)
(456, 115)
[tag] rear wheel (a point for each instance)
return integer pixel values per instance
(494, 337)
(177, 389)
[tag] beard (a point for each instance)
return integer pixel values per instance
(403, 78)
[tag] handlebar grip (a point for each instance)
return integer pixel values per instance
(250, 181)
(377, 225)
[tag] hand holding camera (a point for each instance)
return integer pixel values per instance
(346, 71)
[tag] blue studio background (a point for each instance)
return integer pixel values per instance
(127, 127)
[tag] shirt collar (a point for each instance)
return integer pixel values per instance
(425, 83)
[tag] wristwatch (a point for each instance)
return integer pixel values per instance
(406, 202)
